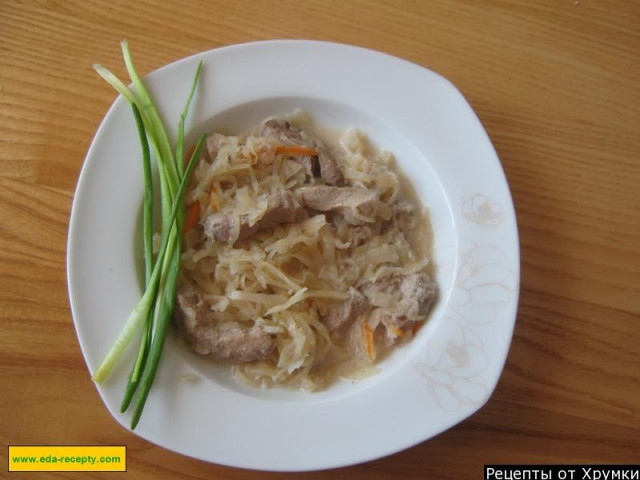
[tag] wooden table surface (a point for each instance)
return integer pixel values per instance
(556, 83)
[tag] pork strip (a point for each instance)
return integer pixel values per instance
(414, 294)
(344, 200)
(285, 133)
(222, 341)
(344, 313)
(281, 208)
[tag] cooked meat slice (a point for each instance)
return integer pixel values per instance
(418, 293)
(324, 198)
(344, 313)
(281, 130)
(285, 133)
(281, 208)
(413, 296)
(346, 200)
(222, 341)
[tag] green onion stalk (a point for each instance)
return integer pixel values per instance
(152, 314)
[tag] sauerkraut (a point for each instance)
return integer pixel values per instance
(308, 259)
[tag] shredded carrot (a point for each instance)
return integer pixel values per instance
(415, 328)
(296, 150)
(368, 336)
(192, 218)
(398, 331)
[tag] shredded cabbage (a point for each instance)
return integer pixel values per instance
(287, 280)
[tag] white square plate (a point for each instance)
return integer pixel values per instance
(435, 381)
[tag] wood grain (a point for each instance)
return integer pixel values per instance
(556, 84)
